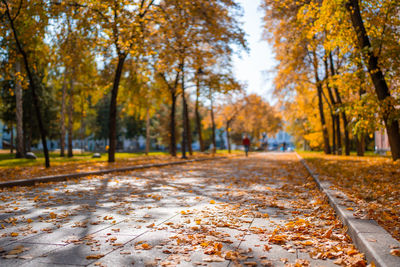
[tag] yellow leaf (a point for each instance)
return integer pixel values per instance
(13, 234)
(204, 244)
(212, 201)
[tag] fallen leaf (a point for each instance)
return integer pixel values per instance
(214, 258)
(266, 263)
(395, 252)
(267, 247)
(94, 256)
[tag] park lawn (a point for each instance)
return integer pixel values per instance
(9, 160)
(373, 182)
(19, 169)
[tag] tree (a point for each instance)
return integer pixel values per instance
(14, 14)
(122, 24)
(192, 30)
(387, 103)
(336, 35)
(228, 112)
(256, 117)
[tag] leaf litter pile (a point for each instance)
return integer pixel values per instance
(264, 210)
(373, 183)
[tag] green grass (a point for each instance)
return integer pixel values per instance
(8, 160)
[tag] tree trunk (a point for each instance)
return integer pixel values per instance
(83, 125)
(32, 86)
(19, 112)
(213, 123)
(360, 138)
(336, 146)
(62, 115)
(381, 87)
(184, 130)
(318, 84)
(360, 144)
(188, 129)
(338, 135)
(339, 102)
(198, 119)
(186, 116)
(11, 139)
(325, 133)
(346, 134)
(228, 137)
(113, 109)
(70, 116)
(172, 142)
(147, 129)
(27, 137)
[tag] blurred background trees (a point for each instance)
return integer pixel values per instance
(116, 70)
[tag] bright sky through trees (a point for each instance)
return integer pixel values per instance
(252, 68)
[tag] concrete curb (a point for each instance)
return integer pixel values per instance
(371, 239)
(64, 177)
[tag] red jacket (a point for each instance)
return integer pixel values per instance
(246, 141)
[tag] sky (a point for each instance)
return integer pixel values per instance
(252, 67)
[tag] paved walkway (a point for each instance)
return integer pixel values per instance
(264, 210)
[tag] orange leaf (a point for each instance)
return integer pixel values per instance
(94, 257)
(395, 252)
(146, 246)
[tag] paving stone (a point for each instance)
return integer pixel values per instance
(135, 252)
(83, 252)
(61, 235)
(29, 253)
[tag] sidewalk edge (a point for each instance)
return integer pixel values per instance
(64, 177)
(370, 238)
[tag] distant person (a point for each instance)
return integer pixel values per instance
(246, 144)
(284, 146)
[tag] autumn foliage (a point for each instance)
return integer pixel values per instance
(338, 71)
(104, 69)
